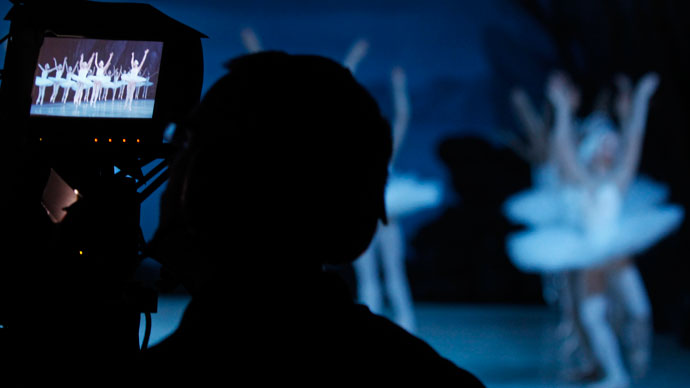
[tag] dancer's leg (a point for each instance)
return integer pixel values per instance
(368, 279)
(629, 288)
(41, 93)
(578, 361)
(603, 341)
(392, 243)
(56, 87)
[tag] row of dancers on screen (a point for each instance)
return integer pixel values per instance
(92, 80)
(587, 215)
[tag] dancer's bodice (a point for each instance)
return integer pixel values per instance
(599, 210)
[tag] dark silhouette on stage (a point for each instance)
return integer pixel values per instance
(281, 171)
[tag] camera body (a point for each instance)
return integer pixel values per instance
(83, 265)
(41, 31)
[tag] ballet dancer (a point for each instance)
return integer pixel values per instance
(602, 237)
(119, 83)
(107, 85)
(43, 82)
(83, 82)
(133, 77)
(57, 80)
(403, 195)
(99, 77)
(68, 83)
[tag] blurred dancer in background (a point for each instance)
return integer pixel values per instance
(599, 234)
(405, 194)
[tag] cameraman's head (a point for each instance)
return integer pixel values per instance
(283, 168)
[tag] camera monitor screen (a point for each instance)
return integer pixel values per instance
(77, 77)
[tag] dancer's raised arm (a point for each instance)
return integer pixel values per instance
(63, 64)
(565, 98)
(354, 56)
(91, 59)
(146, 52)
(47, 70)
(633, 124)
(250, 40)
(110, 58)
(401, 102)
(536, 149)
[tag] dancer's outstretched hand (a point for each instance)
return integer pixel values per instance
(250, 40)
(561, 92)
(356, 54)
(646, 87)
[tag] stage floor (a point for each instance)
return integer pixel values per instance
(505, 346)
(141, 109)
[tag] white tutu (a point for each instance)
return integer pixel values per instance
(56, 80)
(546, 204)
(84, 81)
(146, 83)
(406, 194)
(116, 84)
(536, 206)
(645, 192)
(40, 81)
(107, 82)
(607, 229)
(71, 84)
(67, 83)
(132, 78)
(99, 78)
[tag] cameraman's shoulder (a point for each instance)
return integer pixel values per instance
(397, 352)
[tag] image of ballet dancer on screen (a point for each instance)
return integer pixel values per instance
(100, 78)
(82, 79)
(57, 79)
(133, 78)
(68, 83)
(43, 82)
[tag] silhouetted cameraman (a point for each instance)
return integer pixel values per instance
(281, 170)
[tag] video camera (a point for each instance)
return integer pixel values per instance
(51, 43)
(87, 91)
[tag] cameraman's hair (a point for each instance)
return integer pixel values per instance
(279, 135)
